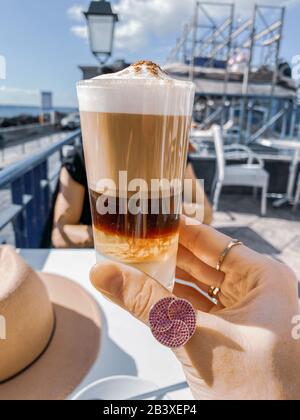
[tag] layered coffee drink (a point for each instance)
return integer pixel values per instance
(135, 127)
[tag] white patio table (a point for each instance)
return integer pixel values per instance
(286, 145)
(127, 346)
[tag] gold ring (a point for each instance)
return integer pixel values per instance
(232, 244)
(214, 292)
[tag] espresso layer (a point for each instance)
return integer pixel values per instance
(140, 226)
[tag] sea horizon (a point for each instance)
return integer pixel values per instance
(11, 111)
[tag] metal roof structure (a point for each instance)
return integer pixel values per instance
(216, 42)
(236, 66)
(211, 82)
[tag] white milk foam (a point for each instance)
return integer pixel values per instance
(142, 88)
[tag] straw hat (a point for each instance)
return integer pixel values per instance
(49, 332)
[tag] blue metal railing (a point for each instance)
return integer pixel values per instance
(29, 182)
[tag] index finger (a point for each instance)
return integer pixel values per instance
(208, 244)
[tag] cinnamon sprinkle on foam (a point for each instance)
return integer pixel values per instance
(152, 68)
(137, 69)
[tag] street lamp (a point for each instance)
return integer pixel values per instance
(101, 25)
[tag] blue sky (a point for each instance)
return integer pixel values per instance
(43, 42)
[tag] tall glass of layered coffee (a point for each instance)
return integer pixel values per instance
(135, 127)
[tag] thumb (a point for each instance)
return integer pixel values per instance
(128, 288)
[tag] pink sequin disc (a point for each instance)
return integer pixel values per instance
(172, 322)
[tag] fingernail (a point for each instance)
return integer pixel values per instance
(107, 278)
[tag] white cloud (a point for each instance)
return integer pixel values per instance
(156, 17)
(80, 30)
(75, 12)
(142, 21)
(130, 36)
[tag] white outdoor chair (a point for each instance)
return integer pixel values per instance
(202, 135)
(297, 198)
(247, 175)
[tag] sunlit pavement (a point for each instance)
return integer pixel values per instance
(277, 234)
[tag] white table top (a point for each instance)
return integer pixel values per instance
(287, 144)
(127, 346)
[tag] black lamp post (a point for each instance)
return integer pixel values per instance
(101, 25)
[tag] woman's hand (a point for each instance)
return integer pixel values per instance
(243, 348)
